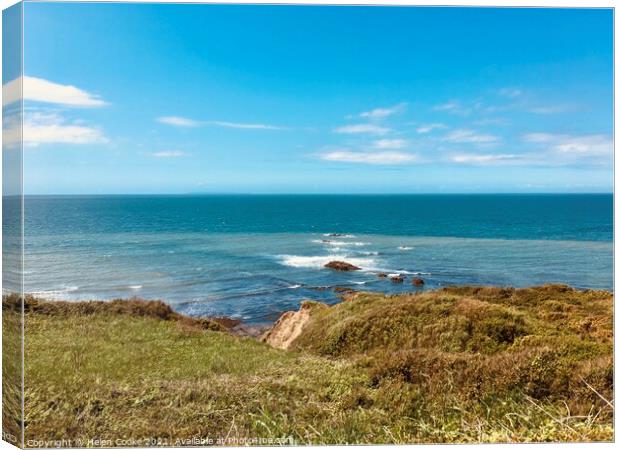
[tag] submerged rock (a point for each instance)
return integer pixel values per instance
(417, 282)
(382, 275)
(397, 279)
(341, 265)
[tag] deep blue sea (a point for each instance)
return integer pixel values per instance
(254, 256)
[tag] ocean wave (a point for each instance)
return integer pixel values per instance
(405, 248)
(320, 261)
(340, 243)
(407, 272)
(54, 294)
(340, 235)
(135, 287)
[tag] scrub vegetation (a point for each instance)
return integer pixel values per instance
(460, 364)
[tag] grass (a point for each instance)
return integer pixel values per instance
(11, 372)
(454, 365)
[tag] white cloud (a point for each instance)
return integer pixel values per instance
(583, 145)
(248, 126)
(169, 154)
(427, 128)
(42, 128)
(362, 128)
(378, 158)
(187, 123)
(177, 121)
(11, 130)
(448, 106)
(41, 90)
(11, 91)
(463, 136)
(390, 143)
(489, 159)
(586, 145)
(455, 107)
(381, 113)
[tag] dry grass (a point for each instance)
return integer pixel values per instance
(455, 365)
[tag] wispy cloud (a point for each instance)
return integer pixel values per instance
(382, 113)
(177, 121)
(362, 128)
(552, 109)
(49, 128)
(456, 107)
(427, 128)
(466, 136)
(169, 154)
(448, 106)
(488, 159)
(510, 92)
(247, 126)
(581, 145)
(184, 122)
(376, 158)
(45, 91)
(390, 143)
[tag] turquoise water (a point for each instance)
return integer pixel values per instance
(255, 256)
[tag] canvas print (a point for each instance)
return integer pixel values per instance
(301, 224)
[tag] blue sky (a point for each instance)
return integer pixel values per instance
(260, 99)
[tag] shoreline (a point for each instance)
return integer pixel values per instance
(138, 306)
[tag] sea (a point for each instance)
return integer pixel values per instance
(254, 256)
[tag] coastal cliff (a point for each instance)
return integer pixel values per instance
(459, 364)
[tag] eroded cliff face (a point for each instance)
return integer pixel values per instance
(289, 326)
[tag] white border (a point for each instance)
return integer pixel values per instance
(480, 3)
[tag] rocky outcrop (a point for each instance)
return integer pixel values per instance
(397, 279)
(417, 282)
(341, 265)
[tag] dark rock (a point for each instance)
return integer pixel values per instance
(382, 275)
(397, 279)
(417, 282)
(226, 322)
(343, 289)
(341, 265)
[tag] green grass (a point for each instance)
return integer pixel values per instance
(458, 365)
(11, 374)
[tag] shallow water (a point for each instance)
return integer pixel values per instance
(206, 255)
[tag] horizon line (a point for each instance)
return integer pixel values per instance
(197, 194)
